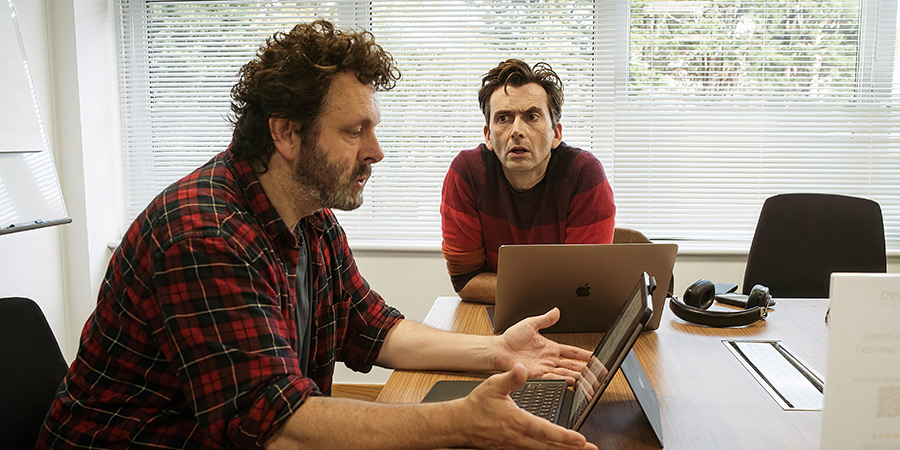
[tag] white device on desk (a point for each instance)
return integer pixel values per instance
(862, 383)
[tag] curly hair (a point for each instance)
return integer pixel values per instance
(516, 73)
(290, 76)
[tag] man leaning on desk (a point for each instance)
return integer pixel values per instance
(232, 295)
(523, 185)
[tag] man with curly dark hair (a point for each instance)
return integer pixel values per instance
(232, 296)
(524, 185)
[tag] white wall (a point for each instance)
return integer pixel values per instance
(86, 92)
(61, 267)
(33, 260)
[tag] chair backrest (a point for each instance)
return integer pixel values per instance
(629, 236)
(801, 239)
(32, 369)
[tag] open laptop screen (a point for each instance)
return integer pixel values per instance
(610, 351)
(607, 358)
(587, 282)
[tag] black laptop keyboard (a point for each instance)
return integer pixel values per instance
(543, 399)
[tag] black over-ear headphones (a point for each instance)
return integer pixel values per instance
(699, 296)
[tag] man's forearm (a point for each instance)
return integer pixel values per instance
(413, 346)
(323, 422)
(486, 417)
(482, 288)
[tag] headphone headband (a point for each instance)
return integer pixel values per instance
(719, 319)
(699, 296)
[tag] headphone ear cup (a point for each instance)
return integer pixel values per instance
(700, 294)
(759, 296)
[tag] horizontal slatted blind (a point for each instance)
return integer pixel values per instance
(728, 103)
(443, 49)
(180, 58)
(178, 61)
(698, 110)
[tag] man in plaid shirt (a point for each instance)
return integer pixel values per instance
(232, 295)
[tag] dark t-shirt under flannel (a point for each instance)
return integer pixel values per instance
(193, 343)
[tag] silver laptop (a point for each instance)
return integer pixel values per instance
(588, 282)
(551, 399)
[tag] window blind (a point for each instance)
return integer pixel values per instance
(698, 110)
(727, 103)
(443, 49)
(178, 62)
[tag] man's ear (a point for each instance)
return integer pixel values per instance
(487, 138)
(557, 135)
(283, 137)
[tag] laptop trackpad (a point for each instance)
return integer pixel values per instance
(446, 390)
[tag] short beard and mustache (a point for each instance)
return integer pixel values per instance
(320, 178)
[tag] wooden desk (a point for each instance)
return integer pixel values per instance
(708, 400)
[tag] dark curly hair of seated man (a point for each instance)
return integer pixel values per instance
(290, 76)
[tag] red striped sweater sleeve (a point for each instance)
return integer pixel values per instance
(592, 212)
(463, 242)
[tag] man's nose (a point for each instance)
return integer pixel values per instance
(517, 127)
(371, 152)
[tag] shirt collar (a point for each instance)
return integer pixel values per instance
(262, 207)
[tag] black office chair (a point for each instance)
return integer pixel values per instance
(31, 368)
(801, 239)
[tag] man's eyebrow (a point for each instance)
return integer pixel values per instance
(360, 122)
(532, 109)
(501, 111)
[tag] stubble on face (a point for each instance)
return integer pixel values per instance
(320, 178)
(336, 153)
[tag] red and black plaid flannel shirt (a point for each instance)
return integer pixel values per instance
(193, 341)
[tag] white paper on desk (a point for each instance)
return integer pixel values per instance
(862, 383)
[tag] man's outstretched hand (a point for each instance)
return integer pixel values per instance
(496, 421)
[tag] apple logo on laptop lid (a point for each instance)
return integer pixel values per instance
(583, 291)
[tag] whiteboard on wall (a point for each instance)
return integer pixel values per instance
(19, 130)
(30, 196)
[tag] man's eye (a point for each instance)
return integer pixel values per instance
(502, 119)
(533, 116)
(355, 133)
